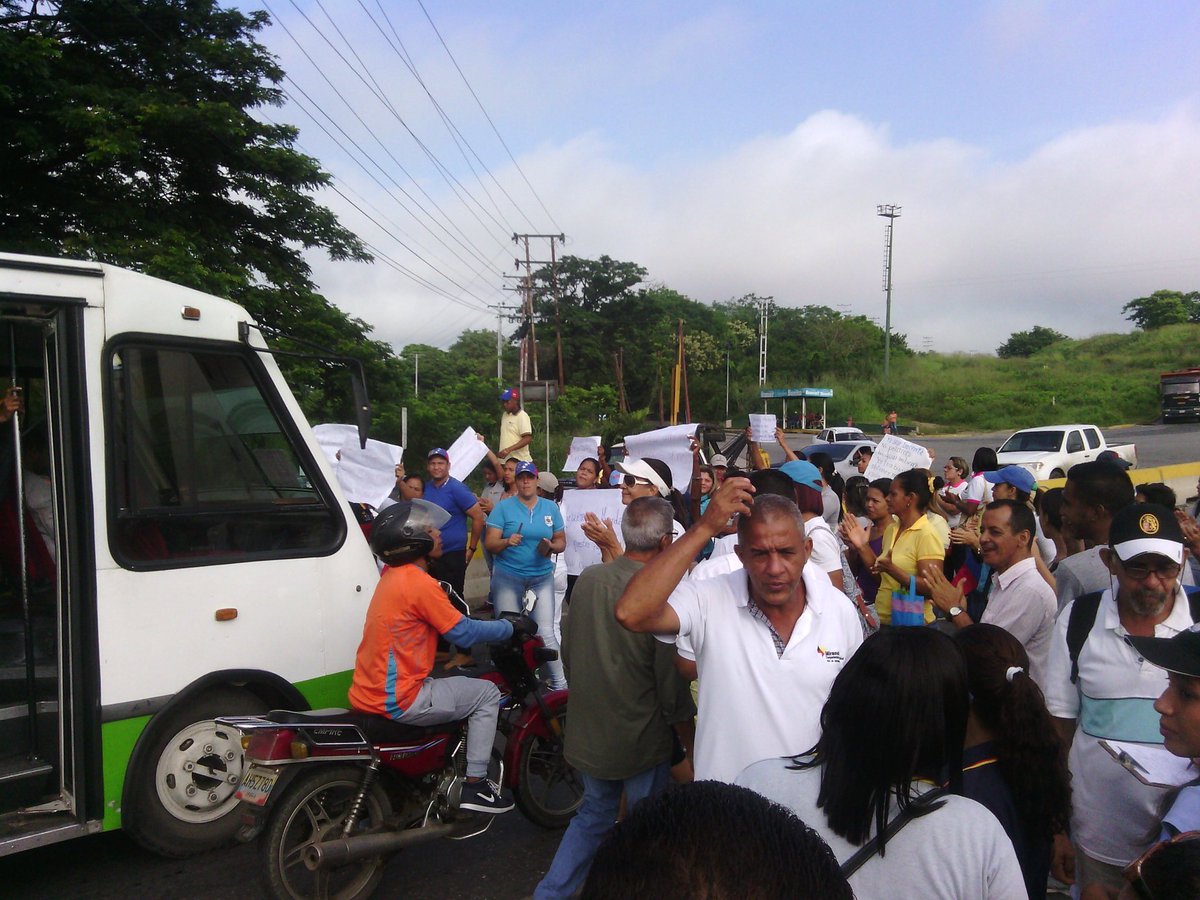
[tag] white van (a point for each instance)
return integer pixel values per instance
(173, 547)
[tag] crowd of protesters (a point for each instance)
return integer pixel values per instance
(962, 685)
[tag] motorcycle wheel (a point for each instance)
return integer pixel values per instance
(313, 810)
(548, 790)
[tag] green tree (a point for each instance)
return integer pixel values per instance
(1161, 308)
(129, 135)
(1027, 343)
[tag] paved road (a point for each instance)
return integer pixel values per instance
(503, 864)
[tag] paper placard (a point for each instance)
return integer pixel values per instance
(368, 475)
(762, 427)
(466, 453)
(606, 504)
(333, 438)
(894, 455)
(1151, 764)
(672, 445)
(581, 448)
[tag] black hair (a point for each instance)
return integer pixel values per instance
(772, 481)
(883, 485)
(1102, 484)
(897, 712)
(1050, 507)
(1172, 872)
(829, 474)
(1157, 492)
(683, 515)
(984, 460)
(1029, 751)
(916, 481)
(664, 849)
(856, 495)
(595, 464)
(1020, 517)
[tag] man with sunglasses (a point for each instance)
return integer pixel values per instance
(1098, 686)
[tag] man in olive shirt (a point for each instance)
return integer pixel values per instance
(625, 696)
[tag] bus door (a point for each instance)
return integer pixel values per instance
(41, 724)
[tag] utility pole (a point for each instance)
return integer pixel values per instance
(764, 308)
(529, 263)
(891, 213)
(501, 309)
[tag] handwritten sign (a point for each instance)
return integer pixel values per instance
(581, 448)
(465, 454)
(895, 455)
(672, 445)
(368, 475)
(762, 428)
(605, 504)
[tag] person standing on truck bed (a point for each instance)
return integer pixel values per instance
(455, 498)
(1095, 492)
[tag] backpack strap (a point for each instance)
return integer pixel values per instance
(871, 847)
(1079, 625)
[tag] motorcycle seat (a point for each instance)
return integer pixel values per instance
(376, 729)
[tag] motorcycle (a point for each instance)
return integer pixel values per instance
(333, 793)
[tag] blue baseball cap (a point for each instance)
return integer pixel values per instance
(525, 468)
(1019, 478)
(438, 451)
(802, 472)
(509, 394)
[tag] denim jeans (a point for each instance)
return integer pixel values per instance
(508, 590)
(596, 815)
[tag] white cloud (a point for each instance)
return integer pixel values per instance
(1062, 238)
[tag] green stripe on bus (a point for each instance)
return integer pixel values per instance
(118, 738)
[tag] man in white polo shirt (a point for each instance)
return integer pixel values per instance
(1108, 690)
(768, 640)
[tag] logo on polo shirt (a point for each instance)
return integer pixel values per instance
(549, 520)
(1148, 524)
(833, 656)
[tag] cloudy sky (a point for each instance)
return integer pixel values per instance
(1046, 155)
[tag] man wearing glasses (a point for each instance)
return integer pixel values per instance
(1099, 687)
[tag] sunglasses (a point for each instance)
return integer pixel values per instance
(631, 480)
(1140, 571)
(1133, 871)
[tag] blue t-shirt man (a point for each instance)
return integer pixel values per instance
(542, 521)
(454, 497)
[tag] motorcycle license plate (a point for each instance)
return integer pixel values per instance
(257, 784)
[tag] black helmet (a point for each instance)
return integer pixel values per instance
(400, 534)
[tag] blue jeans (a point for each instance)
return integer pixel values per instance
(596, 815)
(508, 590)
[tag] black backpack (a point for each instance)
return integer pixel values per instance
(1083, 617)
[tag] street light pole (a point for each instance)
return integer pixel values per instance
(891, 213)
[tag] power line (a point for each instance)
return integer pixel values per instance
(495, 130)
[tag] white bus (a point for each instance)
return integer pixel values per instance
(173, 547)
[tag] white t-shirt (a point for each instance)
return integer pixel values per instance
(958, 490)
(724, 545)
(979, 490)
(755, 703)
(1111, 811)
(956, 852)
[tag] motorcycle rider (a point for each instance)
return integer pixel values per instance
(407, 613)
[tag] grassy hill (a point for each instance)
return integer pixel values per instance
(1109, 379)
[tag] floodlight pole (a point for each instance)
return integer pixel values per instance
(891, 213)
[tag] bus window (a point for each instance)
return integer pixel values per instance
(202, 470)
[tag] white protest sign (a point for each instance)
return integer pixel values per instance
(465, 454)
(605, 504)
(581, 448)
(368, 475)
(333, 438)
(672, 445)
(894, 455)
(762, 428)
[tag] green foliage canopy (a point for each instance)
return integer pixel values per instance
(1163, 308)
(1027, 343)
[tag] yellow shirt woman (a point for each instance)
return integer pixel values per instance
(908, 549)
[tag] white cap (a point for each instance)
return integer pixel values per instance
(641, 469)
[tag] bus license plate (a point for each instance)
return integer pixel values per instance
(256, 786)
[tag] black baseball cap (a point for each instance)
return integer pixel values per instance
(1146, 528)
(1179, 654)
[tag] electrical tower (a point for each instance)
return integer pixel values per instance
(891, 213)
(529, 263)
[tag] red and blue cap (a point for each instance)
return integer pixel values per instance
(509, 394)
(438, 451)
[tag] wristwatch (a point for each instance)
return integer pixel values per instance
(954, 611)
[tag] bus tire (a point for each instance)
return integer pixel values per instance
(179, 801)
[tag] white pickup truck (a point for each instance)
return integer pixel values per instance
(1051, 451)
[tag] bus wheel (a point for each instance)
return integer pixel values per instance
(180, 800)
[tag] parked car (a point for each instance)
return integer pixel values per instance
(1051, 451)
(838, 435)
(841, 453)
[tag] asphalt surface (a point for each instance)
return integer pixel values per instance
(504, 863)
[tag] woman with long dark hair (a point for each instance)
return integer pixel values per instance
(1013, 762)
(863, 545)
(891, 731)
(909, 543)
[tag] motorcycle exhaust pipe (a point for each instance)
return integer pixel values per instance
(345, 850)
